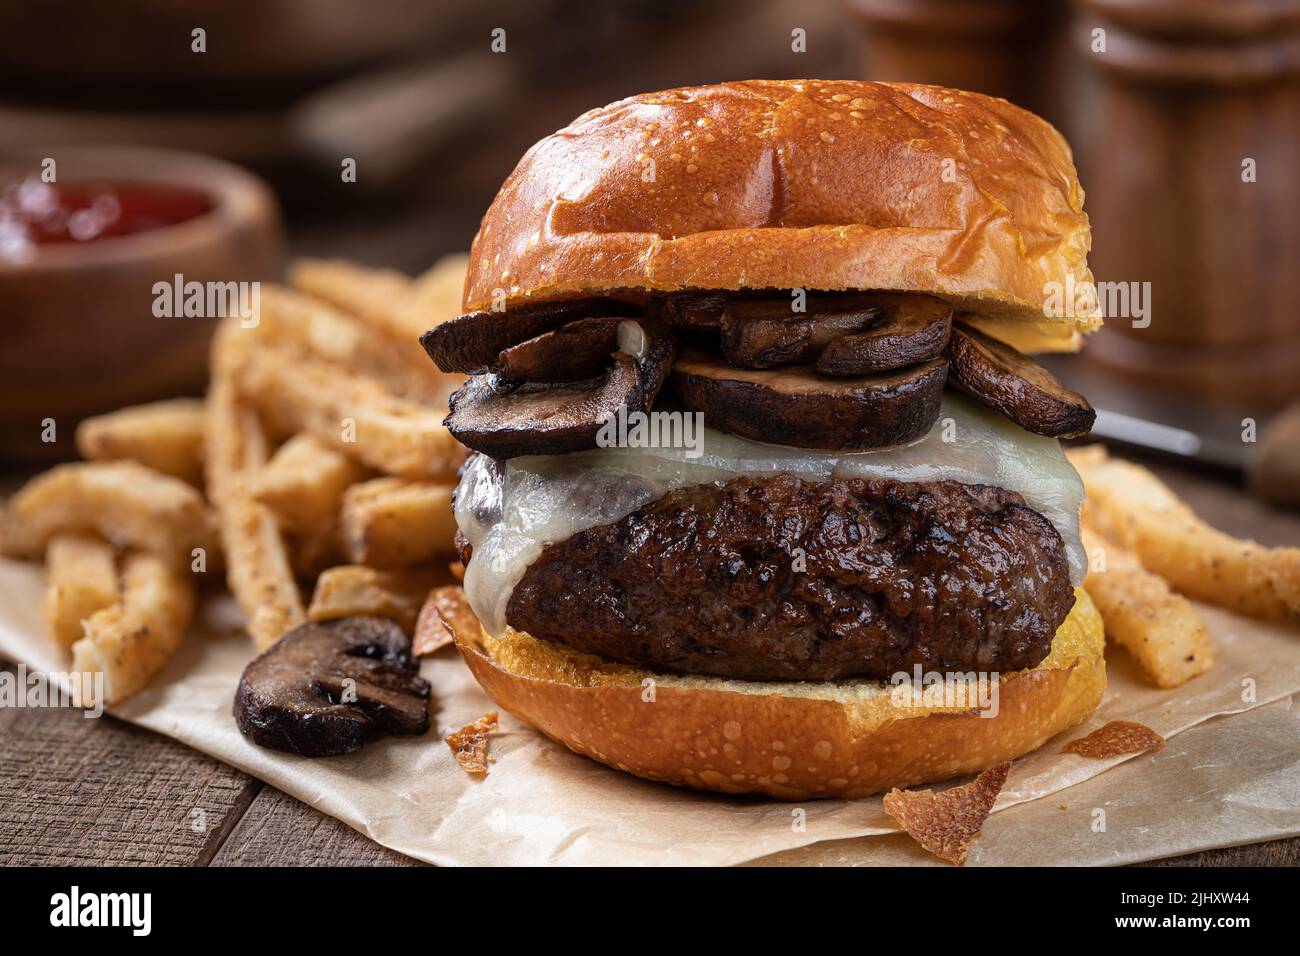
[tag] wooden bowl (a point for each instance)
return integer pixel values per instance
(77, 320)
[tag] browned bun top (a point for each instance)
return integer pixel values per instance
(827, 185)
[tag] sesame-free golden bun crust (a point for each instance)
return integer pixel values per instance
(791, 741)
(823, 185)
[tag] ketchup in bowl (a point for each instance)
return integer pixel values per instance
(35, 213)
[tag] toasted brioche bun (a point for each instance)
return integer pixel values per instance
(823, 185)
(786, 740)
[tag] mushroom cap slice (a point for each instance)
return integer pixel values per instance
(545, 419)
(1003, 378)
(572, 353)
(767, 334)
(910, 329)
(693, 310)
(328, 687)
(846, 334)
(795, 406)
(472, 342)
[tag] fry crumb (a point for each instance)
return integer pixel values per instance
(947, 822)
(469, 745)
(1115, 739)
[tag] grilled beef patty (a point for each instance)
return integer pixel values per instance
(777, 578)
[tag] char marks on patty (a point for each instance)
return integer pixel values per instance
(778, 578)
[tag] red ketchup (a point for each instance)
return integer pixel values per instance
(35, 213)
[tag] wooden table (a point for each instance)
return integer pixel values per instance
(77, 791)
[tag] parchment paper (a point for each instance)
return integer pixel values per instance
(1233, 780)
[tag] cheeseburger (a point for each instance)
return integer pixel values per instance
(765, 485)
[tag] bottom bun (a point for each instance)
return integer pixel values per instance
(786, 740)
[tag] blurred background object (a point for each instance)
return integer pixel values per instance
(1015, 49)
(1192, 159)
(411, 90)
(1274, 473)
(80, 258)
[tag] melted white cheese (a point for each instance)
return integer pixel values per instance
(511, 511)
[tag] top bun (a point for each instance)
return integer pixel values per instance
(824, 185)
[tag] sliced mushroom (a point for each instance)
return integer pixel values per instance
(577, 351)
(542, 419)
(693, 310)
(859, 334)
(765, 333)
(795, 406)
(908, 330)
(329, 687)
(998, 375)
(472, 342)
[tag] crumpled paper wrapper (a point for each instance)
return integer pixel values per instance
(1222, 780)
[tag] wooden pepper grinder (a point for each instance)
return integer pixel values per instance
(1016, 49)
(1192, 162)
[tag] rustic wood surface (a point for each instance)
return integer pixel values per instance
(74, 791)
(77, 791)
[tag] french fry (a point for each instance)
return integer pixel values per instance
(387, 300)
(311, 552)
(435, 295)
(130, 641)
(259, 573)
(1087, 456)
(80, 579)
(1131, 507)
(235, 442)
(389, 522)
(374, 295)
(1159, 628)
(317, 328)
(304, 482)
(121, 501)
(351, 413)
(165, 436)
(257, 564)
(352, 590)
